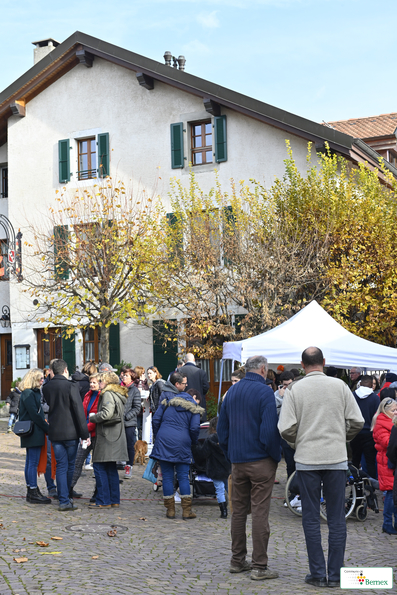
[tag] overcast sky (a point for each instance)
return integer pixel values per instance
(321, 59)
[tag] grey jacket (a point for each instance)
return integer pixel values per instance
(111, 442)
(132, 406)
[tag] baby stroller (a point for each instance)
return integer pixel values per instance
(359, 495)
(202, 486)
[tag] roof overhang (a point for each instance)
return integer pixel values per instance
(82, 48)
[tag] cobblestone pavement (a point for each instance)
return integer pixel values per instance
(149, 553)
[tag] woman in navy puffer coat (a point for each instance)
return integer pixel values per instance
(176, 426)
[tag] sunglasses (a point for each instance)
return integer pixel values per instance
(389, 402)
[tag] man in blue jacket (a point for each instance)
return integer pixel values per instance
(248, 434)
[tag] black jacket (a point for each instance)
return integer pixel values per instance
(154, 396)
(132, 406)
(66, 413)
(212, 456)
(30, 409)
(13, 400)
(196, 378)
(83, 382)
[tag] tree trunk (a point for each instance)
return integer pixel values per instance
(105, 352)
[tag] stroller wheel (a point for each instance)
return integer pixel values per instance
(361, 513)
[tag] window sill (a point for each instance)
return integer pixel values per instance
(206, 167)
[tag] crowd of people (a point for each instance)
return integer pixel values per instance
(315, 419)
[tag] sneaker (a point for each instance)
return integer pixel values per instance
(177, 497)
(53, 494)
(298, 509)
(260, 574)
(89, 466)
(128, 472)
(234, 569)
(66, 507)
(296, 502)
(9, 430)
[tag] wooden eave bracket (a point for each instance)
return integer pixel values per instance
(146, 81)
(212, 107)
(84, 57)
(18, 108)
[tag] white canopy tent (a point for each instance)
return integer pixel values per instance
(313, 326)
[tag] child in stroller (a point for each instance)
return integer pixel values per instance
(211, 457)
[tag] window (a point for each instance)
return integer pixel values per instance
(201, 142)
(92, 344)
(92, 157)
(87, 159)
(4, 183)
(4, 266)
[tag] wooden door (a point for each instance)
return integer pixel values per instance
(6, 365)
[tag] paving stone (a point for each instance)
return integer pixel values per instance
(157, 555)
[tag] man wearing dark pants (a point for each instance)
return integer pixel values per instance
(67, 424)
(247, 431)
(319, 414)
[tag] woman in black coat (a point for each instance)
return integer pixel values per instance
(156, 388)
(30, 409)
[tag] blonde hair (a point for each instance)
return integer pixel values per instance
(383, 409)
(95, 376)
(90, 368)
(109, 378)
(32, 379)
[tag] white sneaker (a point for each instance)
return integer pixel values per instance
(128, 472)
(299, 509)
(88, 467)
(296, 502)
(177, 497)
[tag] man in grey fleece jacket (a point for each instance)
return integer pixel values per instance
(319, 414)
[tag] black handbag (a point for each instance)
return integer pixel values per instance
(23, 428)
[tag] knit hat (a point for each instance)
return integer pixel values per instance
(280, 368)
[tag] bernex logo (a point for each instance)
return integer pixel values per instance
(366, 578)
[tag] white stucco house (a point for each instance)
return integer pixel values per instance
(88, 108)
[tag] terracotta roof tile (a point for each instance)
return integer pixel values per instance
(364, 128)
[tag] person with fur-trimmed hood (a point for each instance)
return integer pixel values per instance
(111, 442)
(176, 426)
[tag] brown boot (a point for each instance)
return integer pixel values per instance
(169, 503)
(187, 508)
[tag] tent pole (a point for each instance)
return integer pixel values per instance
(220, 383)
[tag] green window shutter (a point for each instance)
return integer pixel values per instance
(103, 154)
(228, 231)
(177, 159)
(69, 352)
(177, 235)
(64, 160)
(114, 344)
(61, 238)
(165, 358)
(220, 139)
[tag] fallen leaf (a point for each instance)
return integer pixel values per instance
(20, 560)
(42, 543)
(95, 557)
(13, 521)
(31, 542)
(142, 518)
(51, 553)
(112, 533)
(16, 551)
(56, 538)
(24, 539)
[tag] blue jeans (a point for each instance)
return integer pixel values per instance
(182, 473)
(48, 479)
(220, 490)
(334, 482)
(11, 421)
(107, 483)
(65, 456)
(388, 511)
(31, 463)
(130, 433)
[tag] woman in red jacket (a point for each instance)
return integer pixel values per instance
(382, 426)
